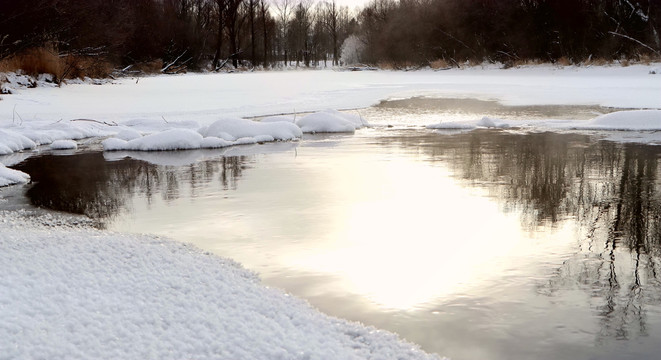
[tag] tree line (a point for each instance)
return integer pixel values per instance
(191, 33)
(212, 34)
(420, 31)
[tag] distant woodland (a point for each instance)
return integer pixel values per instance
(97, 36)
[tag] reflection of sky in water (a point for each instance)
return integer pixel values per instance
(476, 245)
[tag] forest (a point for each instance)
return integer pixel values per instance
(70, 38)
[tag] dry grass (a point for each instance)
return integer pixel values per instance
(439, 64)
(647, 59)
(85, 66)
(34, 62)
(563, 61)
(46, 60)
(386, 65)
(526, 62)
(596, 62)
(150, 67)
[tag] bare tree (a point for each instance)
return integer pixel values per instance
(284, 11)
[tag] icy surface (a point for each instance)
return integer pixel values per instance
(78, 293)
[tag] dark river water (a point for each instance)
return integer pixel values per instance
(490, 244)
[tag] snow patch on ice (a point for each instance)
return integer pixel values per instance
(11, 141)
(633, 120)
(222, 133)
(173, 139)
(241, 128)
(10, 176)
(128, 134)
(63, 145)
(331, 121)
(627, 120)
(484, 122)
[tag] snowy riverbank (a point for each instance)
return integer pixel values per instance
(78, 293)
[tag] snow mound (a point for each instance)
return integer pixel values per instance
(632, 120)
(212, 142)
(222, 133)
(85, 294)
(173, 139)
(242, 128)
(10, 176)
(11, 141)
(485, 122)
(128, 134)
(330, 121)
(63, 145)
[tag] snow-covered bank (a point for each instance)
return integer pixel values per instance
(632, 120)
(85, 294)
(205, 97)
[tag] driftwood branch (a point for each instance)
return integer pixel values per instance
(98, 122)
(224, 62)
(171, 64)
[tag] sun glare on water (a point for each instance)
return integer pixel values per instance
(406, 239)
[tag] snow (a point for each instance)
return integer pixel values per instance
(63, 145)
(222, 133)
(330, 121)
(173, 139)
(242, 128)
(10, 176)
(128, 134)
(635, 120)
(79, 293)
(627, 120)
(485, 122)
(11, 141)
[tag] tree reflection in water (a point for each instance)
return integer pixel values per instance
(87, 184)
(611, 189)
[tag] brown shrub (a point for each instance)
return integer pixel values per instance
(439, 64)
(149, 67)
(386, 65)
(84, 66)
(34, 61)
(563, 61)
(596, 62)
